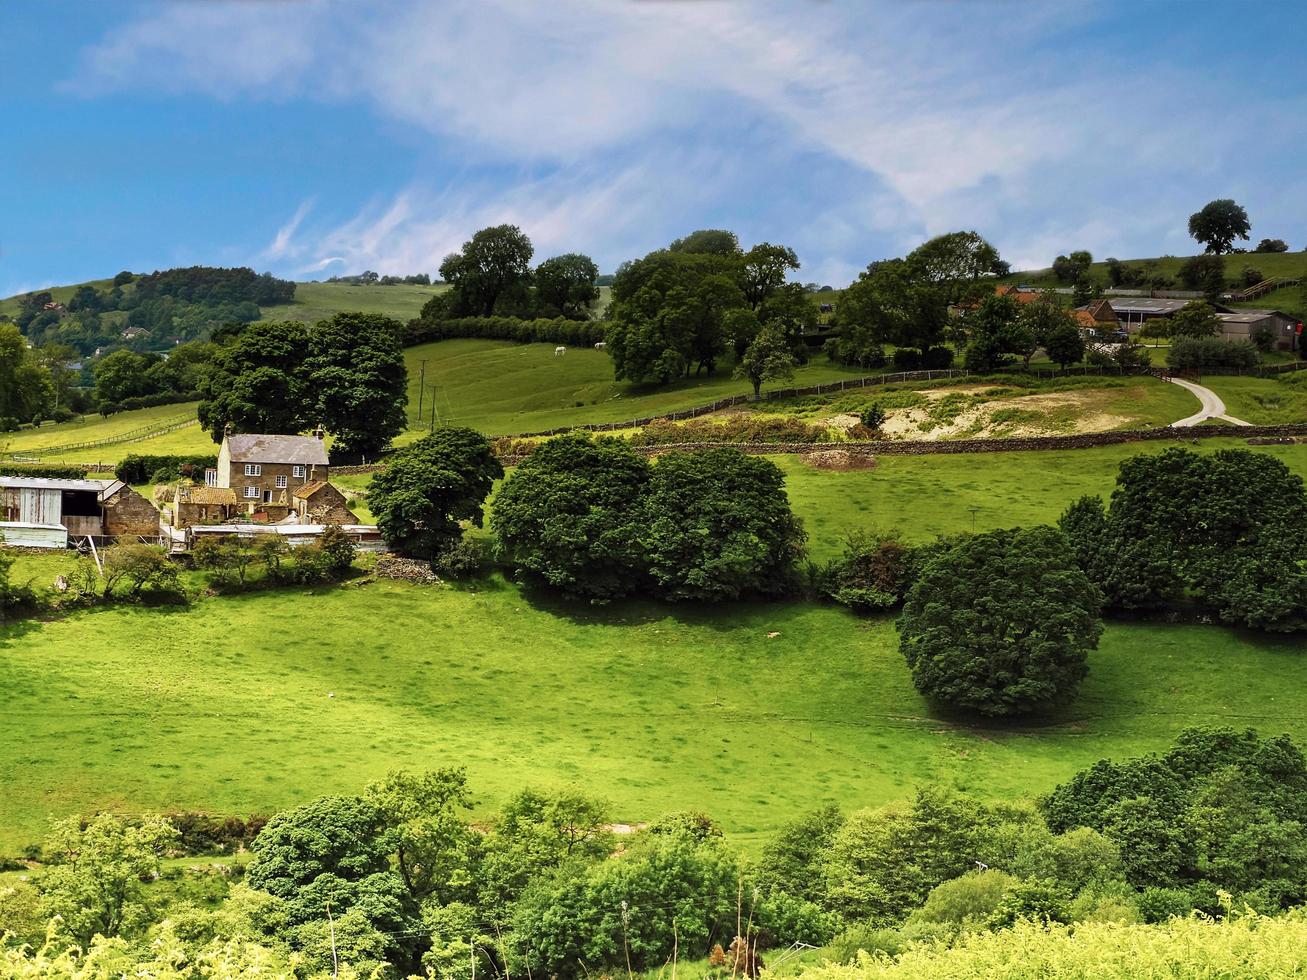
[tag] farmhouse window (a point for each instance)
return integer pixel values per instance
(252, 493)
(298, 471)
(281, 483)
(253, 469)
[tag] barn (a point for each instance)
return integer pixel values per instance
(41, 512)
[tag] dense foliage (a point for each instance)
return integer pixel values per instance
(577, 333)
(1220, 530)
(1002, 623)
(1195, 354)
(138, 469)
(27, 390)
(429, 487)
(1218, 224)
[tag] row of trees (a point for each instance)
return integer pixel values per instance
(1000, 329)
(491, 275)
(346, 373)
(686, 306)
(399, 878)
(594, 520)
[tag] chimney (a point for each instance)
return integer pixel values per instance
(319, 433)
(227, 430)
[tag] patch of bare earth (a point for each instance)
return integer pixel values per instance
(977, 420)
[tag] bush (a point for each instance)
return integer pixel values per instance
(735, 428)
(1250, 276)
(466, 558)
(136, 468)
(908, 359)
(1002, 623)
(1195, 353)
(937, 359)
(872, 417)
(46, 470)
(577, 333)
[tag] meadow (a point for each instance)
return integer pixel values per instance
(1272, 265)
(250, 703)
(316, 301)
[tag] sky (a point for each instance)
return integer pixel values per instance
(313, 138)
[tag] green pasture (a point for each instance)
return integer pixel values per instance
(316, 301)
(1263, 401)
(1270, 264)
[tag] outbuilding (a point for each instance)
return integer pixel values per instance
(49, 511)
(1248, 324)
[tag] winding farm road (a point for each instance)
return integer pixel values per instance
(1213, 407)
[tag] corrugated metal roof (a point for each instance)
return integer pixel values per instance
(45, 483)
(256, 448)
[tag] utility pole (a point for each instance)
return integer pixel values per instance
(433, 407)
(422, 386)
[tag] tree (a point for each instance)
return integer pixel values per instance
(1218, 224)
(356, 373)
(708, 241)
(122, 374)
(891, 304)
(431, 486)
(258, 382)
(1070, 268)
(1205, 274)
(1064, 345)
(428, 828)
(489, 267)
(1002, 623)
(565, 286)
(97, 874)
(764, 270)
(1053, 328)
(569, 516)
(953, 263)
(717, 525)
(1272, 245)
(27, 389)
(996, 331)
(767, 358)
(139, 565)
(1196, 319)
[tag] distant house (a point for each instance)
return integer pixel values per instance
(1098, 315)
(1285, 330)
(131, 333)
(44, 513)
(1022, 294)
(263, 471)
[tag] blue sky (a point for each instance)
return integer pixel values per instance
(313, 137)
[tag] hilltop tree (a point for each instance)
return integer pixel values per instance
(767, 358)
(258, 382)
(490, 267)
(1002, 623)
(1218, 224)
(569, 516)
(1272, 245)
(708, 241)
(430, 487)
(565, 286)
(357, 375)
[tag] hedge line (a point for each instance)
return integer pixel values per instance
(558, 331)
(146, 401)
(47, 471)
(142, 469)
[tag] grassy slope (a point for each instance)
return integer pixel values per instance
(318, 300)
(1263, 401)
(655, 707)
(1271, 265)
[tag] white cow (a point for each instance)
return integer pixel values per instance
(600, 346)
(559, 351)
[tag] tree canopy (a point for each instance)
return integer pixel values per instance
(1218, 224)
(1002, 623)
(491, 267)
(429, 487)
(355, 363)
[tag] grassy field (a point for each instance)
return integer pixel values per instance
(316, 301)
(1270, 265)
(44, 442)
(656, 707)
(255, 703)
(10, 305)
(1263, 401)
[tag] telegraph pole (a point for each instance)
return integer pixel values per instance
(422, 387)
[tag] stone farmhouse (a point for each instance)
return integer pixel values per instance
(36, 512)
(264, 471)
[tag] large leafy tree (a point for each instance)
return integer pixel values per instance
(569, 516)
(493, 265)
(890, 303)
(123, 374)
(718, 525)
(764, 270)
(1196, 319)
(258, 382)
(1222, 529)
(708, 241)
(429, 487)
(1002, 623)
(27, 389)
(565, 286)
(1205, 274)
(1218, 224)
(358, 378)
(953, 263)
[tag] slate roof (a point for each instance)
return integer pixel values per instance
(299, 450)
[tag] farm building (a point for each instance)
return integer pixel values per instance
(264, 470)
(321, 503)
(1247, 324)
(365, 536)
(194, 504)
(44, 513)
(1132, 312)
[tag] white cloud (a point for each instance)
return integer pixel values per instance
(943, 115)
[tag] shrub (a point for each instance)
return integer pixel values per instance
(736, 428)
(466, 558)
(937, 359)
(872, 574)
(969, 900)
(1198, 353)
(46, 470)
(136, 468)
(908, 359)
(1002, 623)
(872, 417)
(1250, 276)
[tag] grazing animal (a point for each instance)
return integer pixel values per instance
(600, 346)
(559, 351)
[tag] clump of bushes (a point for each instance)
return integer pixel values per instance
(578, 333)
(744, 428)
(933, 359)
(235, 565)
(45, 470)
(1201, 353)
(140, 468)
